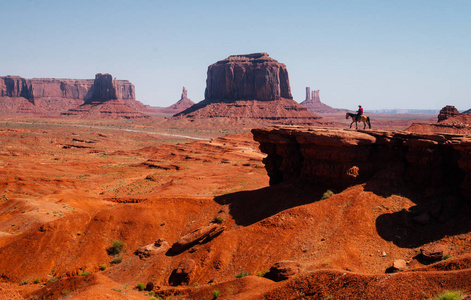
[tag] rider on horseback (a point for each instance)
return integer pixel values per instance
(359, 112)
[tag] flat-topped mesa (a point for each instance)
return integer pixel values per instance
(247, 77)
(433, 165)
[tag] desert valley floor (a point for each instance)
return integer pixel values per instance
(70, 189)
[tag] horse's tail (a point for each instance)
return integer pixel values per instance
(368, 121)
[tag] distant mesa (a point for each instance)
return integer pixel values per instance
(313, 103)
(251, 86)
(449, 120)
(467, 111)
(107, 101)
(52, 96)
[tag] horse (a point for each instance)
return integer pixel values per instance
(362, 118)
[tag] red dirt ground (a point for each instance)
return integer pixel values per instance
(69, 189)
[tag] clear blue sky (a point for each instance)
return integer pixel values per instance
(381, 54)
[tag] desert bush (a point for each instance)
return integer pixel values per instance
(141, 286)
(24, 282)
(262, 273)
(327, 194)
(242, 274)
(219, 220)
(103, 267)
(151, 293)
(79, 233)
(116, 247)
(37, 280)
(216, 294)
(84, 273)
(116, 260)
(446, 256)
(450, 295)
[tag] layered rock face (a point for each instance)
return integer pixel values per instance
(313, 103)
(252, 87)
(247, 77)
(106, 101)
(433, 164)
(447, 112)
(51, 95)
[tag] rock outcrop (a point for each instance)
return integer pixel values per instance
(107, 101)
(198, 236)
(247, 77)
(313, 104)
(283, 270)
(52, 95)
(432, 164)
(180, 105)
(250, 87)
(450, 121)
(447, 112)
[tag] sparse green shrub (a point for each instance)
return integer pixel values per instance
(141, 286)
(153, 298)
(24, 282)
(327, 194)
(219, 220)
(84, 273)
(242, 274)
(450, 295)
(103, 267)
(37, 280)
(216, 294)
(116, 247)
(151, 293)
(262, 273)
(79, 233)
(116, 260)
(446, 256)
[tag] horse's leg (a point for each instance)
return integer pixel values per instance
(364, 125)
(351, 124)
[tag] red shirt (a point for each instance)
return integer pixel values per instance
(360, 111)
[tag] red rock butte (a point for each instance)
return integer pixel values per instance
(313, 103)
(250, 86)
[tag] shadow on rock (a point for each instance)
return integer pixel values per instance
(249, 207)
(436, 214)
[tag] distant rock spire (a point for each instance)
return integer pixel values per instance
(315, 96)
(184, 94)
(308, 94)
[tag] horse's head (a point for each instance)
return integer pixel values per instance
(346, 115)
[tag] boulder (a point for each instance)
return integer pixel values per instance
(152, 249)
(198, 236)
(283, 270)
(399, 265)
(434, 252)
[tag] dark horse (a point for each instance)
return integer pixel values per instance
(362, 118)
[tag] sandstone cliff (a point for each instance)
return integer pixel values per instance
(430, 164)
(51, 95)
(251, 87)
(107, 101)
(247, 77)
